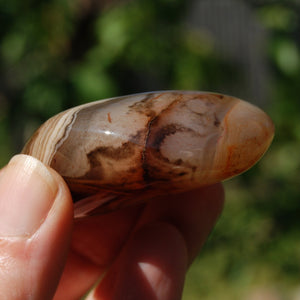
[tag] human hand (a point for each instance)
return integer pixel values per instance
(140, 252)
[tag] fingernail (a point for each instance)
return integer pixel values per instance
(27, 192)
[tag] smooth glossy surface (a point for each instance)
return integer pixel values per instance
(113, 151)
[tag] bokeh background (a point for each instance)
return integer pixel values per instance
(61, 53)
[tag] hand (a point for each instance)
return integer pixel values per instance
(140, 252)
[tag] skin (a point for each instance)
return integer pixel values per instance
(141, 252)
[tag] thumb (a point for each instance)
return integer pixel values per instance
(35, 229)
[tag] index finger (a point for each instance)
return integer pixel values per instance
(167, 238)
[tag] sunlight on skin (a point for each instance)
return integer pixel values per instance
(157, 280)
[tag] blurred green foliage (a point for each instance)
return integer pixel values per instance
(57, 54)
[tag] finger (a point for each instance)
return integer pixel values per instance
(100, 238)
(96, 242)
(169, 234)
(35, 229)
(152, 266)
(193, 213)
